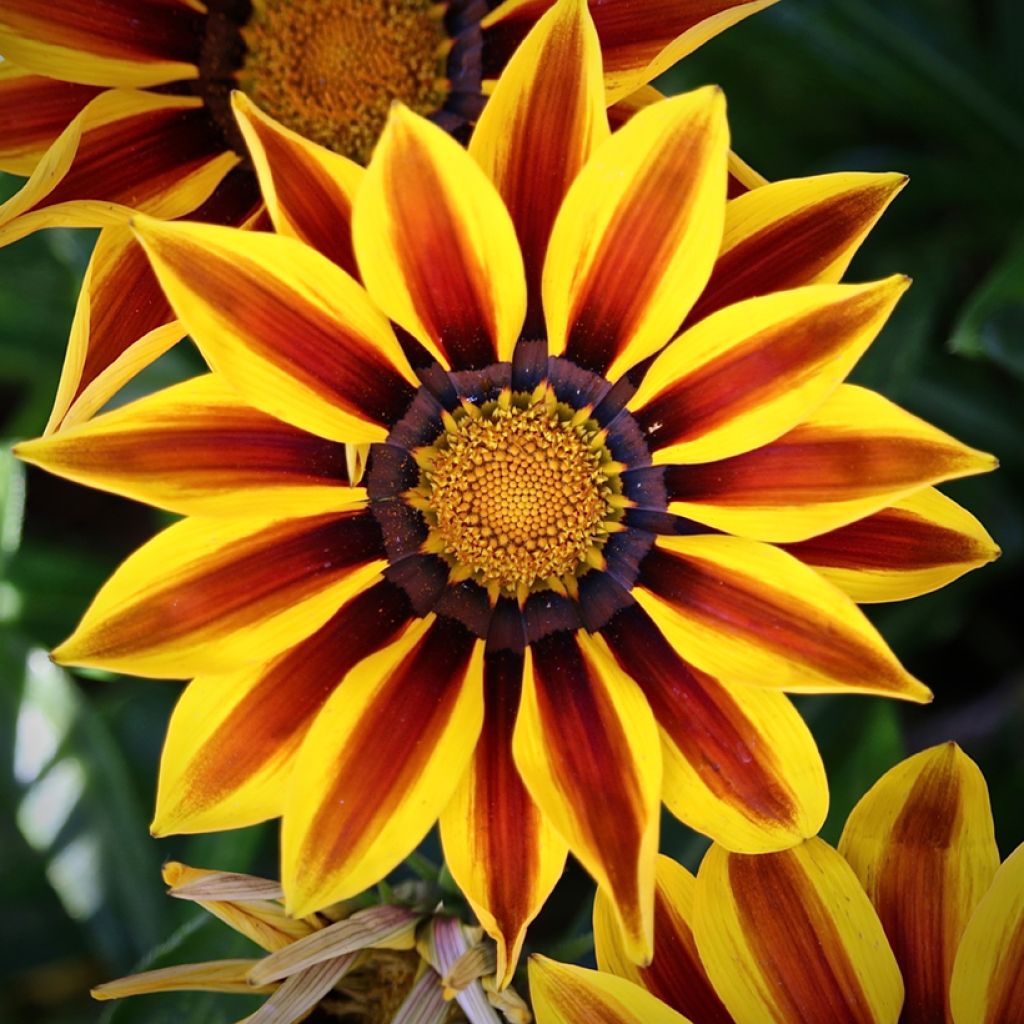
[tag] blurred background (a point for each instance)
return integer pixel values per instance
(934, 88)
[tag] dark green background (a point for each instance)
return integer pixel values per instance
(934, 88)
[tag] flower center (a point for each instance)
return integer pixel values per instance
(520, 493)
(329, 69)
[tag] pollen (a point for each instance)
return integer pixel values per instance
(521, 493)
(330, 69)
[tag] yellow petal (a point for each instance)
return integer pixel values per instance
(215, 976)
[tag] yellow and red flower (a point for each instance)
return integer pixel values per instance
(913, 920)
(120, 105)
(601, 403)
(363, 962)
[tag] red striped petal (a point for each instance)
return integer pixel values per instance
(380, 763)
(505, 857)
(34, 110)
(232, 738)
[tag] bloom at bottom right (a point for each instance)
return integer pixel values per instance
(912, 919)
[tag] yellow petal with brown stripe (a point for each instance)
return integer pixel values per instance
(675, 975)
(988, 976)
(290, 331)
(197, 448)
(213, 595)
(790, 936)
(586, 745)
(500, 849)
(538, 130)
(637, 234)
(754, 615)
(213, 976)
(917, 545)
(793, 233)
(381, 762)
(740, 765)
(309, 190)
(922, 842)
(855, 454)
(113, 43)
(232, 739)
(436, 246)
(566, 994)
(750, 372)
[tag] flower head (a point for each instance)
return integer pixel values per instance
(616, 499)
(359, 962)
(121, 105)
(913, 919)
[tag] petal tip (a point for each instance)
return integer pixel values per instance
(172, 872)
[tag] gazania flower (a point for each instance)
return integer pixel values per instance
(792, 937)
(120, 104)
(359, 963)
(564, 594)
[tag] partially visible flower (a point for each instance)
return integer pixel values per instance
(119, 104)
(387, 963)
(792, 937)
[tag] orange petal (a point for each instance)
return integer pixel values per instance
(34, 110)
(436, 246)
(919, 544)
(792, 233)
(113, 43)
(309, 190)
(292, 332)
(125, 151)
(754, 615)
(988, 976)
(501, 851)
(380, 762)
(213, 595)
(586, 745)
(790, 936)
(752, 371)
(637, 234)
(922, 843)
(855, 454)
(675, 975)
(740, 765)
(232, 739)
(539, 129)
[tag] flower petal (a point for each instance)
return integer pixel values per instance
(380, 762)
(988, 979)
(504, 855)
(538, 130)
(113, 43)
(675, 975)
(855, 454)
(209, 595)
(794, 233)
(756, 616)
(199, 449)
(300, 993)
(790, 936)
(125, 151)
(34, 110)
(232, 739)
(637, 234)
(638, 41)
(436, 246)
(293, 333)
(586, 745)
(922, 842)
(752, 371)
(566, 994)
(213, 976)
(919, 544)
(740, 764)
(309, 190)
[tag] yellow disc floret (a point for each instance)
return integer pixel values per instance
(521, 493)
(330, 69)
